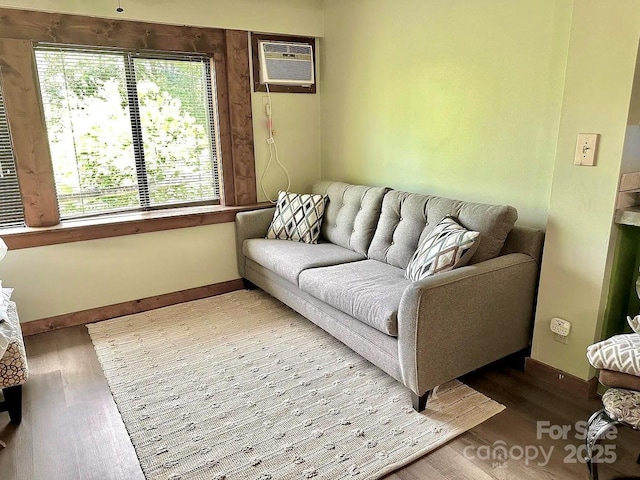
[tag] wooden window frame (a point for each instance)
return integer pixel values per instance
(260, 87)
(229, 51)
(118, 225)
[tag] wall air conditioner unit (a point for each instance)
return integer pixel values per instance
(286, 63)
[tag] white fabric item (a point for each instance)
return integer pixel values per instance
(5, 298)
(6, 295)
(3, 249)
(5, 331)
(634, 323)
(5, 326)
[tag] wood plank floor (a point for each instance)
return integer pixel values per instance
(72, 429)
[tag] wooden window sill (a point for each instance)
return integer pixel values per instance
(122, 224)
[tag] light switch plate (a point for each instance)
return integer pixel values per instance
(586, 149)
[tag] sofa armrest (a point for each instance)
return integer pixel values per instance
(252, 224)
(454, 322)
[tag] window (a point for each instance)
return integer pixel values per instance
(128, 163)
(128, 130)
(11, 213)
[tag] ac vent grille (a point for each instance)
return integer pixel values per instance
(300, 49)
(276, 48)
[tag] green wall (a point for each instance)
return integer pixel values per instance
(482, 100)
(581, 239)
(457, 98)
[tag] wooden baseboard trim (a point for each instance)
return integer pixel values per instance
(127, 308)
(566, 382)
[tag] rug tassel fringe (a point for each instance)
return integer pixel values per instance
(434, 393)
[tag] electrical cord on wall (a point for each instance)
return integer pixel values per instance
(273, 151)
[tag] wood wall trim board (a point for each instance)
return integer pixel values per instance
(106, 32)
(225, 163)
(117, 226)
(127, 308)
(29, 133)
(240, 115)
(566, 382)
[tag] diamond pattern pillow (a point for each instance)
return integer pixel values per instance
(297, 217)
(447, 247)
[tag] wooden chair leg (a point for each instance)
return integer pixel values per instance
(419, 402)
(12, 403)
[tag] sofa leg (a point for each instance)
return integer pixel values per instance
(12, 403)
(248, 285)
(518, 359)
(419, 402)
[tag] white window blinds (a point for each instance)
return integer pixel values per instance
(128, 131)
(11, 212)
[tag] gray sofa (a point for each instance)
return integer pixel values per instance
(352, 285)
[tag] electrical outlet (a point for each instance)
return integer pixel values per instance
(561, 327)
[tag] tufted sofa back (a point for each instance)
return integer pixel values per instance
(387, 225)
(406, 218)
(351, 215)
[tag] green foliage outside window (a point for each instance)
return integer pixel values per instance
(89, 122)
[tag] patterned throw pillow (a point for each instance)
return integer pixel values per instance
(297, 217)
(447, 247)
(620, 353)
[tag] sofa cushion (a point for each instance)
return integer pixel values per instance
(351, 214)
(407, 218)
(288, 259)
(368, 290)
(298, 217)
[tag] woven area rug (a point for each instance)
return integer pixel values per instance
(239, 386)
